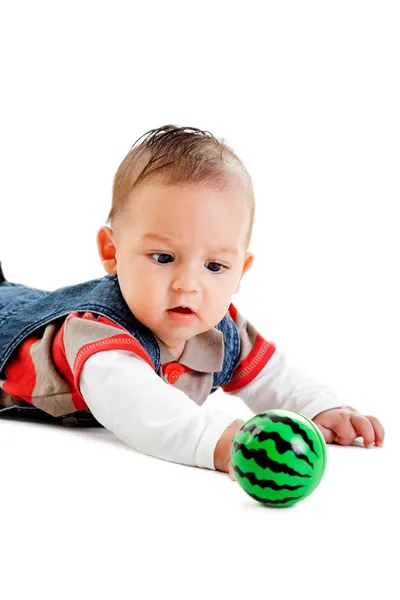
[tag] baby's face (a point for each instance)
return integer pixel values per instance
(179, 248)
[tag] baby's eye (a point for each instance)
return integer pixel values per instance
(163, 256)
(214, 267)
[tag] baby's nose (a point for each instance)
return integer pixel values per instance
(185, 280)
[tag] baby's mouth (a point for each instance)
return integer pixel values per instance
(181, 309)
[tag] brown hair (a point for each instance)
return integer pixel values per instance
(177, 156)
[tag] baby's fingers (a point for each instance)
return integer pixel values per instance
(364, 429)
(378, 428)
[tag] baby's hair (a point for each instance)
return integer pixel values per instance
(179, 156)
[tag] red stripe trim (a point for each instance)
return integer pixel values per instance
(251, 365)
(117, 342)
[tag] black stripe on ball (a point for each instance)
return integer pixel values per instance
(274, 502)
(262, 459)
(265, 483)
(294, 427)
(281, 444)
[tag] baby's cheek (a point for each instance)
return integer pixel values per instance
(216, 311)
(132, 293)
(146, 297)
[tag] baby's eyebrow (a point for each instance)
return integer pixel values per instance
(170, 240)
(160, 238)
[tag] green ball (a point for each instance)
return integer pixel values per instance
(279, 457)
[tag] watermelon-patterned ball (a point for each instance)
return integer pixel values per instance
(279, 457)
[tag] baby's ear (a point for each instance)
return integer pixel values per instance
(107, 250)
(247, 263)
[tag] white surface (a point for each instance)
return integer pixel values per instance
(307, 93)
(88, 517)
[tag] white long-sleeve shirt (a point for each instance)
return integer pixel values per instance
(127, 397)
(89, 362)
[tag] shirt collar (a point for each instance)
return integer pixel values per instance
(203, 352)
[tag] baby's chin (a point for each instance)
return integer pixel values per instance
(177, 330)
(163, 324)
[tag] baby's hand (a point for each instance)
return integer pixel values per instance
(343, 425)
(222, 452)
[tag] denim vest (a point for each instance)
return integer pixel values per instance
(24, 309)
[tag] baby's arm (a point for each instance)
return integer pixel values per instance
(264, 379)
(280, 385)
(127, 397)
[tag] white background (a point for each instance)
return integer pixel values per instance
(308, 94)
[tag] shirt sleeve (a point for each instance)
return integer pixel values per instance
(127, 397)
(280, 385)
(45, 368)
(83, 335)
(264, 379)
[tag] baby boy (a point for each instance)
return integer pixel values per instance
(141, 349)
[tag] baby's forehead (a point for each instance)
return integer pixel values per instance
(187, 201)
(185, 211)
(161, 197)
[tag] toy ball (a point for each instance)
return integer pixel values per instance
(279, 457)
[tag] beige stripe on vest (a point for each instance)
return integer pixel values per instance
(51, 391)
(79, 332)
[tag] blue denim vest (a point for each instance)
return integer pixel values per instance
(24, 309)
